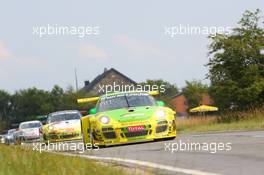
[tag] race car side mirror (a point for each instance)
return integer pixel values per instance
(160, 103)
(92, 111)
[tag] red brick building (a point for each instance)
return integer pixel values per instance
(180, 104)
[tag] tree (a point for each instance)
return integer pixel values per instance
(29, 103)
(65, 100)
(26, 104)
(56, 97)
(70, 99)
(5, 105)
(236, 65)
(193, 92)
(167, 90)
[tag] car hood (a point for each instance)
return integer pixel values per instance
(131, 114)
(74, 124)
(30, 131)
(9, 136)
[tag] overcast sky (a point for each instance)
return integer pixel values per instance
(130, 37)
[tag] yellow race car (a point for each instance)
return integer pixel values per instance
(62, 126)
(126, 117)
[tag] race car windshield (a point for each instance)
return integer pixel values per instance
(140, 100)
(30, 125)
(63, 117)
(125, 101)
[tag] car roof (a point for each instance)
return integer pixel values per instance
(34, 121)
(63, 112)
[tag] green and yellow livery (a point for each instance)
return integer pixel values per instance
(126, 117)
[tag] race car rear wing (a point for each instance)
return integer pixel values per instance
(87, 100)
(94, 99)
(153, 93)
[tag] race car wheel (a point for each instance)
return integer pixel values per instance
(83, 140)
(45, 139)
(171, 138)
(21, 140)
(91, 138)
(18, 142)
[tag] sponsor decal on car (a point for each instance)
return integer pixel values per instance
(135, 128)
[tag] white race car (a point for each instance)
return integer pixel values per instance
(9, 137)
(28, 132)
(62, 126)
(2, 139)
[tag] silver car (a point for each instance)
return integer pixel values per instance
(28, 132)
(9, 137)
(2, 139)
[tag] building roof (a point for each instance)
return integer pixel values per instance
(178, 94)
(103, 75)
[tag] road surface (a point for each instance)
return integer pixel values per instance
(239, 153)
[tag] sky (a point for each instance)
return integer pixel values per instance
(133, 37)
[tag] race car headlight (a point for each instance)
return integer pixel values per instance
(51, 127)
(104, 119)
(160, 114)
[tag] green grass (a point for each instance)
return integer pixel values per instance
(17, 160)
(240, 125)
(208, 124)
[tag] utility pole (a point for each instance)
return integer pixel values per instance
(76, 80)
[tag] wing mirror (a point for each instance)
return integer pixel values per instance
(160, 103)
(92, 111)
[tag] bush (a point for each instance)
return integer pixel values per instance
(228, 117)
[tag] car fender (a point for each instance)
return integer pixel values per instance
(85, 129)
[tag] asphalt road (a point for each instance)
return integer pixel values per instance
(239, 153)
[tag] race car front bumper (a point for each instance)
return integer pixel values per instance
(62, 136)
(119, 134)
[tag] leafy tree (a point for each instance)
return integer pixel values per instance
(69, 99)
(167, 90)
(56, 97)
(236, 66)
(5, 105)
(65, 100)
(193, 92)
(29, 103)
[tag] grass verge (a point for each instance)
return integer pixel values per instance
(245, 121)
(17, 160)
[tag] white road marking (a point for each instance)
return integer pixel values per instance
(146, 164)
(258, 136)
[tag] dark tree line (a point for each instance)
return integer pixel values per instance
(167, 90)
(28, 103)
